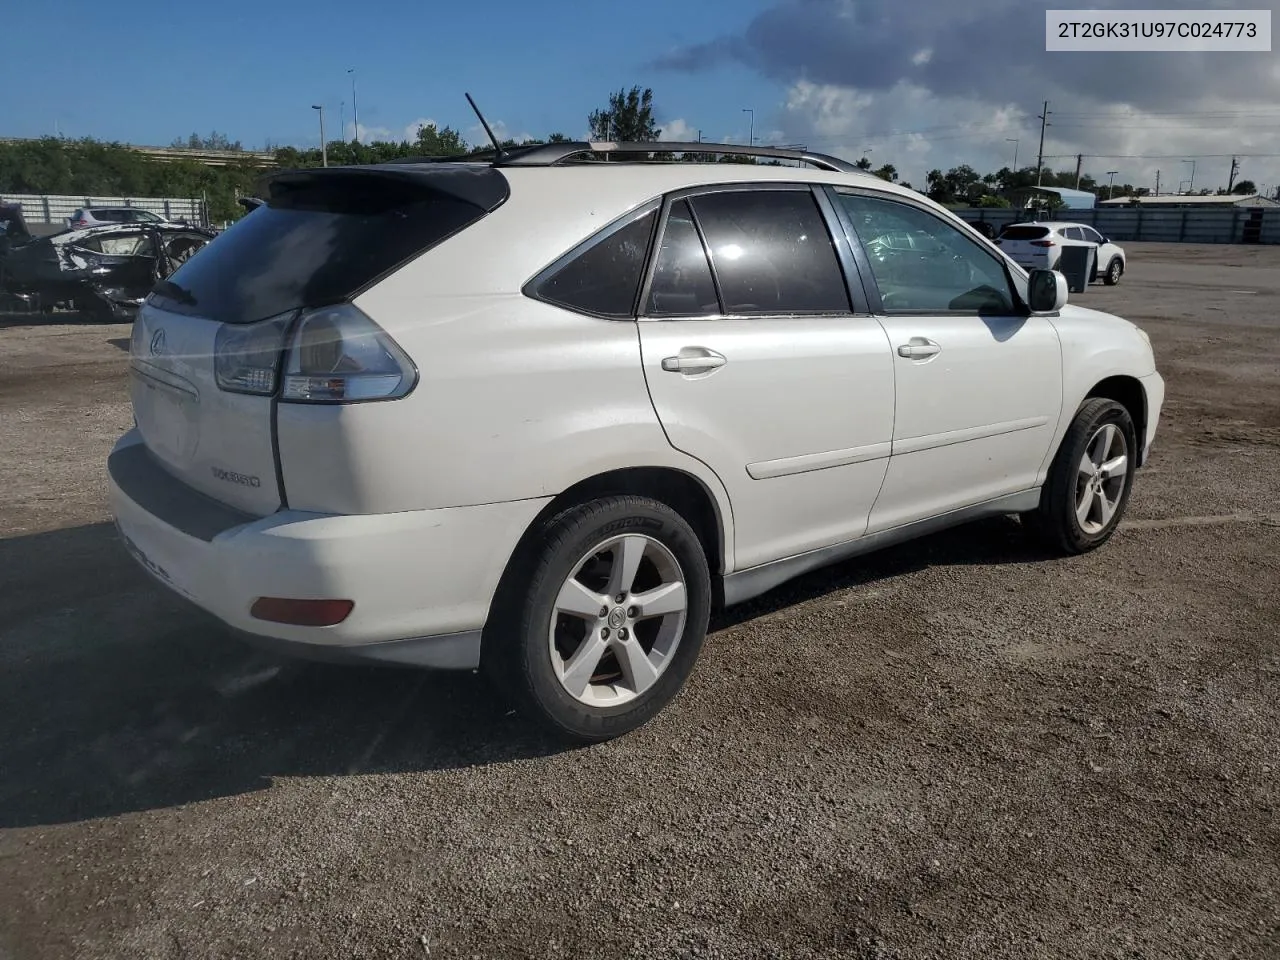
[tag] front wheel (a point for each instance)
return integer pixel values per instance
(1088, 487)
(605, 630)
(1114, 269)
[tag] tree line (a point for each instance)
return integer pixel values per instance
(88, 167)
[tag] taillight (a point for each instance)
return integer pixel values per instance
(246, 358)
(1042, 243)
(338, 355)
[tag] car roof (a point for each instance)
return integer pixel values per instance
(1051, 224)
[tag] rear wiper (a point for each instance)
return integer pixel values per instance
(167, 288)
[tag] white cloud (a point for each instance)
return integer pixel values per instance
(678, 129)
(476, 136)
(916, 130)
(369, 134)
(411, 129)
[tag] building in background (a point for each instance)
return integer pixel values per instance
(1167, 201)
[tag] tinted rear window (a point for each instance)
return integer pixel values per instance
(1023, 233)
(319, 240)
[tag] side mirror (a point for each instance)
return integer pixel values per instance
(1046, 291)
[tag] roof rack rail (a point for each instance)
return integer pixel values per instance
(551, 154)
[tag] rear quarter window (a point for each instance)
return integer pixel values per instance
(602, 276)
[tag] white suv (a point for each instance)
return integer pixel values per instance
(1039, 244)
(539, 417)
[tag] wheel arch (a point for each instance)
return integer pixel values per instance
(682, 491)
(1129, 393)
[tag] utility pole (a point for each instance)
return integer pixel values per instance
(355, 112)
(1157, 183)
(1231, 179)
(1044, 122)
(1079, 164)
(324, 148)
(1111, 185)
(1015, 152)
(1191, 184)
(751, 137)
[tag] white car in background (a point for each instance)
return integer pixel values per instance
(538, 417)
(86, 217)
(1039, 245)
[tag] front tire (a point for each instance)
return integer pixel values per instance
(1114, 270)
(1087, 490)
(606, 628)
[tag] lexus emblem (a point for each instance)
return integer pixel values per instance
(157, 343)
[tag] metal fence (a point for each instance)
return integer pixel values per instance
(1174, 225)
(47, 209)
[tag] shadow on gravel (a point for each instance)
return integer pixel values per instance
(118, 698)
(998, 540)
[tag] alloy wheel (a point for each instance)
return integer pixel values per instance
(617, 621)
(1101, 477)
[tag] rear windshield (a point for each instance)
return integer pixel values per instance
(1023, 233)
(321, 239)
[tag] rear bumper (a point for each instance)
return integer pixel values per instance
(421, 581)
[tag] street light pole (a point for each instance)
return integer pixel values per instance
(355, 111)
(1015, 152)
(324, 148)
(1191, 184)
(751, 137)
(1111, 185)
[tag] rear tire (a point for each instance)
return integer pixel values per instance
(606, 627)
(1087, 490)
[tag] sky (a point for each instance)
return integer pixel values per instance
(921, 84)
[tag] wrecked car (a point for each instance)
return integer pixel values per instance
(104, 271)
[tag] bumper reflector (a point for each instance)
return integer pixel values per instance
(301, 613)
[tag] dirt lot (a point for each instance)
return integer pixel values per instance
(956, 748)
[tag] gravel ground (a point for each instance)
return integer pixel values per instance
(956, 748)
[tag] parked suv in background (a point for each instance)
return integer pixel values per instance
(1039, 245)
(538, 417)
(104, 216)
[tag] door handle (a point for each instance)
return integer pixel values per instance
(919, 348)
(691, 362)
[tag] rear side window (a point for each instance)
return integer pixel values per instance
(1073, 233)
(1024, 233)
(603, 277)
(319, 240)
(682, 284)
(771, 252)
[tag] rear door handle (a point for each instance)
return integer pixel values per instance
(919, 348)
(693, 360)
